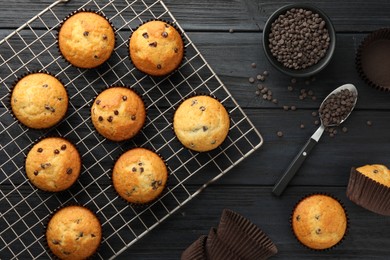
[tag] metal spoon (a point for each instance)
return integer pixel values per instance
(300, 158)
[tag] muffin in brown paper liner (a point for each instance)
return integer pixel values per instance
(319, 222)
(196, 251)
(53, 164)
(88, 237)
(148, 66)
(204, 140)
(368, 193)
(84, 43)
(216, 249)
(243, 237)
(133, 162)
(115, 121)
(41, 108)
(373, 59)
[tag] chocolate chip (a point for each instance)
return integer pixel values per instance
(145, 35)
(116, 112)
(164, 34)
(159, 66)
(124, 98)
(55, 242)
(194, 102)
(110, 118)
(105, 37)
(141, 169)
(153, 44)
(36, 173)
(40, 150)
(56, 151)
(45, 85)
(298, 217)
(66, 252)
(213, 142)
(100, 118)
(98, 102)
(69, 171)
(318, 231)
(202, 108)
(166, 26)
(63, 147)
(86, 33)
(133, 117)
(205, 128)
(45, 165)
(176, 50)
(133, 169)
(375, 171)
(96, 57)
(93, 235)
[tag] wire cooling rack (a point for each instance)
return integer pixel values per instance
(25, 210)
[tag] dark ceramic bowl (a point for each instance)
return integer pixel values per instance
(309, 71)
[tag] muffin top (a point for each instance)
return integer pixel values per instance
(86, 39)
(319, 221)
(118, 113)
(201, 123)
(376, 172)
(53, 164)
(139, 175)
(156, 48)
(74, 232)
(39, 100)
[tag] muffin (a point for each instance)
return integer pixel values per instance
(139, 176)
(39, 100)
(73, 232)
(369, 187)
(53, 164)
(201, 123)
(86, 39)
(118, 113)
(156, 48)
(319, 222)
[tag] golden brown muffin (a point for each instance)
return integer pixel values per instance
(369, 187)
(376, 172)
(86, 39)
(53, 164)
(118, 113)
(39, 100)
(156, 48)
(139, 176)
(319, 222)
(201, 123)
(74, 232)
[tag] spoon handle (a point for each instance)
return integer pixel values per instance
(293, 168)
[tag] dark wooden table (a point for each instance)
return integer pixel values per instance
(246, 188)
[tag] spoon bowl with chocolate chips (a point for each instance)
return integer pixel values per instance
(334, 110)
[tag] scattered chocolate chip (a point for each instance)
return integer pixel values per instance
(140, 164)
(56, 151)
(93, 235)
(69, 171)
(213, 142)
(166, 26)
(66, 252)
(100, 118)
(164, 34)
(318, 231)
(98, 102)
(36, 173)
(86, 33)
(279, 133)
(205, 128)
(105, 37)
(298, 217)
(153, 44)
(159, 66)
(317, 217)
(45, 85)
(375, 171)
(110, 118)
(40, 150)
(45, 165)
(133, 117)
(145, 35)
(141, 169)
(96, 57)
(116, 112)
(133, 169)
(194, 102)
(63, 147)
(124, 98)
(202, 108)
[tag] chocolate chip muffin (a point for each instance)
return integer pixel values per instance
(39, 100)
(139, 176)
(53, 164)
(118, 113)
(86, 39)
(201, 123)
(369, 187)
(319, 222)
(156, 48)
(73, 232)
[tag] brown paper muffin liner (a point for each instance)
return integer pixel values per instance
(196, 251)
(163, 192)
(138, 94)
(36, 142)
(216, 249)
(182, 37)
(373, 59)
(46, 224)
(8, 102)
(244, 237)
(346, 214)
(195, 95)
(368, 193)
(82, 10)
